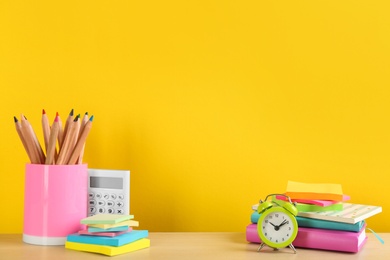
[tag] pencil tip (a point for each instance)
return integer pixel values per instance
(71, 112)
(57, 114)
(43, 111)
(77, 118)
(86, 113)
(15, 119)
(91, 118)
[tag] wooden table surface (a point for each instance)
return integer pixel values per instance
(191, 245)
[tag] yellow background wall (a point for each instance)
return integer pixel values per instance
(210, 104)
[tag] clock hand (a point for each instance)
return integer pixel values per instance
(272, 224)
(275, 226)
(283, 223)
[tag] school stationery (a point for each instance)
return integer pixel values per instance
(351, 213)
(109, 241)
(314, 191)
(109, 250)
(62, 146)
(109, 191)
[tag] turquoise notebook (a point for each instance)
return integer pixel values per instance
(109, 241)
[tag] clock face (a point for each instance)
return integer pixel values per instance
(277, 227)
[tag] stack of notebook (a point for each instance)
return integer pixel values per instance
(108, 234)
(325, 220)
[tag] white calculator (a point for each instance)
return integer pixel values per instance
(108, 191)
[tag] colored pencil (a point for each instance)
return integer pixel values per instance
(68, 122)
(84, 122)
(28, 137)
(51, 150)
(45, 129)
(69, 141)
(18, 127)
(61, 132)
(80, 142)
(38, 146)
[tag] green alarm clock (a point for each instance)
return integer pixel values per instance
(277, 226)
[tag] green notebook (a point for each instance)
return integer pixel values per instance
(302, 207)
(106, 219)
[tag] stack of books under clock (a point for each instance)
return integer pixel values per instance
(326, 221)
(108, 234)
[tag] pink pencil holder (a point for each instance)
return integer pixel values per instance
(55, 200)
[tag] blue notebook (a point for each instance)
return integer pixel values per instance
(318, 223)
(120, 240)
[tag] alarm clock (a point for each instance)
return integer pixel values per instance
(277, 226)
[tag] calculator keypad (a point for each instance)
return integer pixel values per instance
(111, 203)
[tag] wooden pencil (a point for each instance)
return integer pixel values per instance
(80, 142)
(60, 132)
(28, 137)
(37, 145)
(45, 129)
(83, 123)
(18, 127)
(68, 122)
(51, 149)
(69, 141)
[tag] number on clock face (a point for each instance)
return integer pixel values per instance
(277, 227)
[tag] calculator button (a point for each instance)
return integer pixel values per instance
(92, 210)
(98, 195)
(92, 202)
(113, 196)
(119, 204)
(121, 197)
(110, 203)
(111, 211)
(119, 211)
(106, 196)
(91, 195)
(101, 210)
(101, 203)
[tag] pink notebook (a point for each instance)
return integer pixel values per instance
(325, 239)
(104, 234)
(322, 203)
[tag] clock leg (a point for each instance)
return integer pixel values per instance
(260, 247)
(293, 248)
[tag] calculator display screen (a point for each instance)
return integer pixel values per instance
(106, 182)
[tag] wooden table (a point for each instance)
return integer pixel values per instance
(188, 246)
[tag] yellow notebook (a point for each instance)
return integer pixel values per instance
(314, 191)
(109, 250)
(130, 223)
